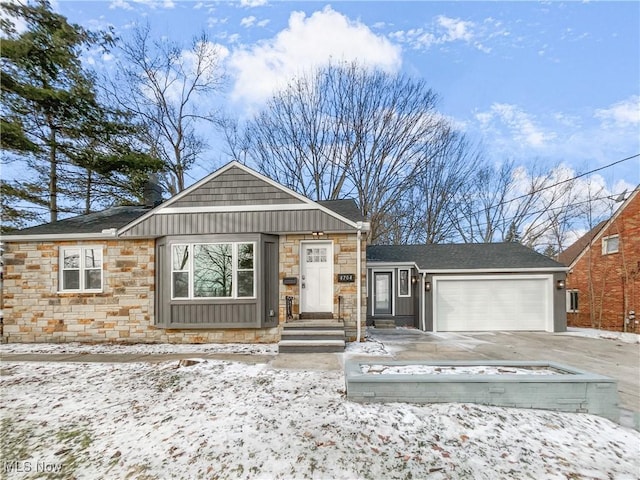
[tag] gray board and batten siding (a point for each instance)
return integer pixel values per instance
(258, 312)
(404, 308)
(188, 219)
(273, 222)
(233, 188)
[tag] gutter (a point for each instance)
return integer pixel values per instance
(495, 270)
(106, 233)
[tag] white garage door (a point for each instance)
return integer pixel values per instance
(481, 303)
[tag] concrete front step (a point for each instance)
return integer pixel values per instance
(311, 346)
(316, 315)
(303, 334)
(312, 336)
(314, 324)
(380, 323)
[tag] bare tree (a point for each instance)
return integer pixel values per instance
(446, 165)
(165, 86)
(508, 203)
(345, 130)
(482, 206)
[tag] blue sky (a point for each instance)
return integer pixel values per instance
(553, 82)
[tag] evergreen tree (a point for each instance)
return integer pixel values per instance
(52, 120)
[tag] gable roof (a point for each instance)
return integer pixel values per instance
(575, 251)
(206, 196)
(93, 223)
(567, 256)
(510, 256)
(290, 200)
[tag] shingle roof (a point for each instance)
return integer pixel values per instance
(346, 208)
(567, 256)
(468, 256)
(114, 217)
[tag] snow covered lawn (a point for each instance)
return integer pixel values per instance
(218, 419)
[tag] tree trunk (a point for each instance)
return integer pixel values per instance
(87, 194)
(53, 177)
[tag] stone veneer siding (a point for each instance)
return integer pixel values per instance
(34, 310)
(344, 260)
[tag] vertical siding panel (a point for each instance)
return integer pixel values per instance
(236, 222)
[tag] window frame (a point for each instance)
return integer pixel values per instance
(605, 244)
(82, 269)
(408, 294)
(190, 270)
(573, 301)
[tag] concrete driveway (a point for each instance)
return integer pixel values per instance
(606, 357)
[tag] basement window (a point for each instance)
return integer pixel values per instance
(610, 244)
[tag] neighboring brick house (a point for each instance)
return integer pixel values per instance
(215, 263)
(603, 283)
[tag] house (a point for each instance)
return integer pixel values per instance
(603, 284)
(229, 259)
(465, 287)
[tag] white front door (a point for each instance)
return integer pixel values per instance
(316, 277)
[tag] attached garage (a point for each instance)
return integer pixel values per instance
(467, 288)
(492, 302)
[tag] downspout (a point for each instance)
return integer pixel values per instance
(359, 284)
(422, 302)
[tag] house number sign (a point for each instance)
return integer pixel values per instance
(346, 277)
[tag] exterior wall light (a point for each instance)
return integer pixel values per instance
(317, 234)
(560, 284)
(427, 286)
(414, 280)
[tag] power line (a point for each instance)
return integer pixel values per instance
(570, 205)
(558, 183)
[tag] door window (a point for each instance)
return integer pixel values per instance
(316, 255)
(382, 293)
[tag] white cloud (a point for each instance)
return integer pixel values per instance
(455, 29)
(120, 4)
(448, 30)
(520, 124)
(215, 21)
(153, 4)
(307, 42)
(253, 3)
(621, 114)
(248, 21)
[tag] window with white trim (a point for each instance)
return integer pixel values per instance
(572, 301)
(80, 269)
(404, 281)
(213, 270)
(610, 244)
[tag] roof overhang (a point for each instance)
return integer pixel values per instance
(392, 264)
(428, 271)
